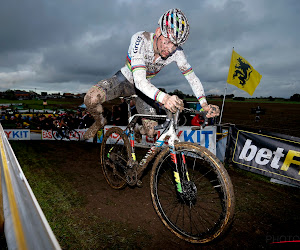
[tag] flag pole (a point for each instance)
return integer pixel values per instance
(223, 103)
(224, 99)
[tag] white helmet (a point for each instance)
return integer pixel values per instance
(174, 25)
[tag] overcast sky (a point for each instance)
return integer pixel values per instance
(68, 45)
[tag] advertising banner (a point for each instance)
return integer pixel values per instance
(205, 137)
(17, 134)
(270, 154)
(48, 135)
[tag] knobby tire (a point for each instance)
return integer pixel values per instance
(115, 157)
(206, 215)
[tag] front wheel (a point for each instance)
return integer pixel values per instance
(203, 209)
(72, 135)
(182, 120)
(115, 155)
(57, 134)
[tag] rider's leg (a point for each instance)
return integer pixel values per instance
(146, 107)
(105, 90)
(93, 100)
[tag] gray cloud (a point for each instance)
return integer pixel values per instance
(66, 46)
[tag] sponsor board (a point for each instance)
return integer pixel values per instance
(274, 155)
(17, 134)
(205, 137)
(48, 135)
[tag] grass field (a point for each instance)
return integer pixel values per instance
(70, 103)
(64, 103)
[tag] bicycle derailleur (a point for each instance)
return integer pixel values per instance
(131, 174)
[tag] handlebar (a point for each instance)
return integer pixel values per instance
(202, 113)
(174, 117)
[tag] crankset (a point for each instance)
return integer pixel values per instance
(131, 174)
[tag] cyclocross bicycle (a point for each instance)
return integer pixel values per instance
(65, 133)
(191, 190)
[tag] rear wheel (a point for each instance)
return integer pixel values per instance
(115, 155)
(204, 208)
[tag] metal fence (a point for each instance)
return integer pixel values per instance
(25, 226)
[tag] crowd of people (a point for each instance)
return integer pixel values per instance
(79, 119)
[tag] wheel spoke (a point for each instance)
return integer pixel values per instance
(114, 157)
(201, 211)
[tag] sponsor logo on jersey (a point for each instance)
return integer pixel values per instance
(136, 45)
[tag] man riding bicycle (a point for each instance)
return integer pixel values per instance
(148, 53)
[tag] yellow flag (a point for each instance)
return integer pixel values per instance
(242, 74)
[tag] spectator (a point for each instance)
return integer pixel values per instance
(133, 109)
(77, 118)
(86, 120)
(19, 125)
(44, 123)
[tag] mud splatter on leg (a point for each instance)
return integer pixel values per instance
(148, 126)
(93, 100)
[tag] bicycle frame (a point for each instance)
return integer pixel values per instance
(169, 134)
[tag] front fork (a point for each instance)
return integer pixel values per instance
(184, 175)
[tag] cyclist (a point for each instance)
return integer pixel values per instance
(148, 53)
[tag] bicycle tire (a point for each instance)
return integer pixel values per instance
(73, 135)
(114, 157)
(211, 211)
(56, 135)
(182, 120)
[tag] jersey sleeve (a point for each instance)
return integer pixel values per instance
(138, 68)
(191, 77)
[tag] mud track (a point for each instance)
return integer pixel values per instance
(264, 211)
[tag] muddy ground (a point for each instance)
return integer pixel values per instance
(265, 212)
(278, 117)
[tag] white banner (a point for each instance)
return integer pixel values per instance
(48, 135)
(17, 134)
(205, 137)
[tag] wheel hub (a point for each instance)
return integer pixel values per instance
(189, 191)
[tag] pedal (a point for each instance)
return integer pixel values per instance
(139, 183)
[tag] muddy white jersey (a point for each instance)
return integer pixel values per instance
(140, 67)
